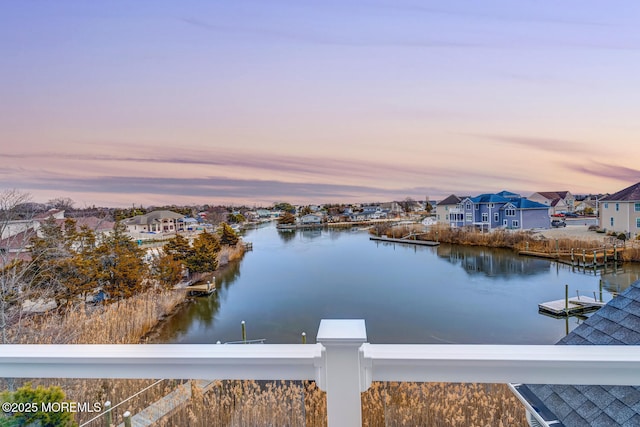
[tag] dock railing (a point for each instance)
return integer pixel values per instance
(341, 362)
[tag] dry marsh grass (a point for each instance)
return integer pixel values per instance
(284, 403)
(119, 323)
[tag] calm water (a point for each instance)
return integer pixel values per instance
(406, 294)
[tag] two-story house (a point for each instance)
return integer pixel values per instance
(502, 210)
(449, 211)
(557, 201)
(154, 222)
(620, 212)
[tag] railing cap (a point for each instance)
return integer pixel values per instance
(342, 331)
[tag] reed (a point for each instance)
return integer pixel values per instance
(287, 403)
(124, 322)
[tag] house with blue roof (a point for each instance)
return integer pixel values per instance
(501, 210)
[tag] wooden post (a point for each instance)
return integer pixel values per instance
(615, 252)
(572, 257)
(304, 338)
(107, 414)
(527, 246)
(584, 258)
(127, 419)
(600, 285)
(244, 332)
(566, 299)
(595, 254)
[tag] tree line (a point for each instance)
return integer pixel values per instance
(70, 265)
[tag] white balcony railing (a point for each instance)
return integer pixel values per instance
(342, 363)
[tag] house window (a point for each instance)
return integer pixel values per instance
(637, 222)
(606, 205)
(477, 207)
(637, 207)
(469, 217)
(617, 206)
(468, 205)
(515, 223)
(505, 222)
(490, 205)
(446, 208)
(496, 217)
(611, 221)
(485, 217)
(510, 212)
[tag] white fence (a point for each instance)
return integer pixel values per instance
(341, 362)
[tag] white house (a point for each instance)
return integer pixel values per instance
(620, 212)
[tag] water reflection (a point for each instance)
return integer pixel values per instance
(406, 293)
(287, 235)
(492, 262)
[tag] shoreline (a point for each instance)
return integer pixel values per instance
(154, 334)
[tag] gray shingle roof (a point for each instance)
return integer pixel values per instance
(617, 323)
(450, 200)
(629, 194)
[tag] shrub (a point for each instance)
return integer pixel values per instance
(622, 236)
(593, 228)
(37, 396)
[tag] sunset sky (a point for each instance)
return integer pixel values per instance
(232, 101)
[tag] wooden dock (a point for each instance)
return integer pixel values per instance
(164, 406)
(411, 242)
(201, 289)
(576, 305)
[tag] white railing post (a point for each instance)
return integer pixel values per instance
(341, 374)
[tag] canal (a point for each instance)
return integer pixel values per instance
(406, 294)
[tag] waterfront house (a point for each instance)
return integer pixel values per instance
(449, 210)
(620, 212)
(503, 210)
(161, 221)
(311, 219)
(558, 201)
(617, 323)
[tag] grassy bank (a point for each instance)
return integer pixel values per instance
(515, 240)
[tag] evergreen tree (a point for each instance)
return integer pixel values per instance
(166, 270)
(49, 254)
(228, 235)
(205, 254)
(121, 266)
(178, 248)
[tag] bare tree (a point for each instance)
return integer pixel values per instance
(17, 228)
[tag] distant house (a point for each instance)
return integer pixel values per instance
(558, 201)
(617, 323)
(585, 206)
(503, 210)
(311, 219)
(154, 222)
(374, 212)
(620, 212)
(449, 211)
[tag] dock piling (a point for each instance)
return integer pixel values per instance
(304, 338)
(244, 332)
(566, 299)
(127, 419)
(107, 414)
